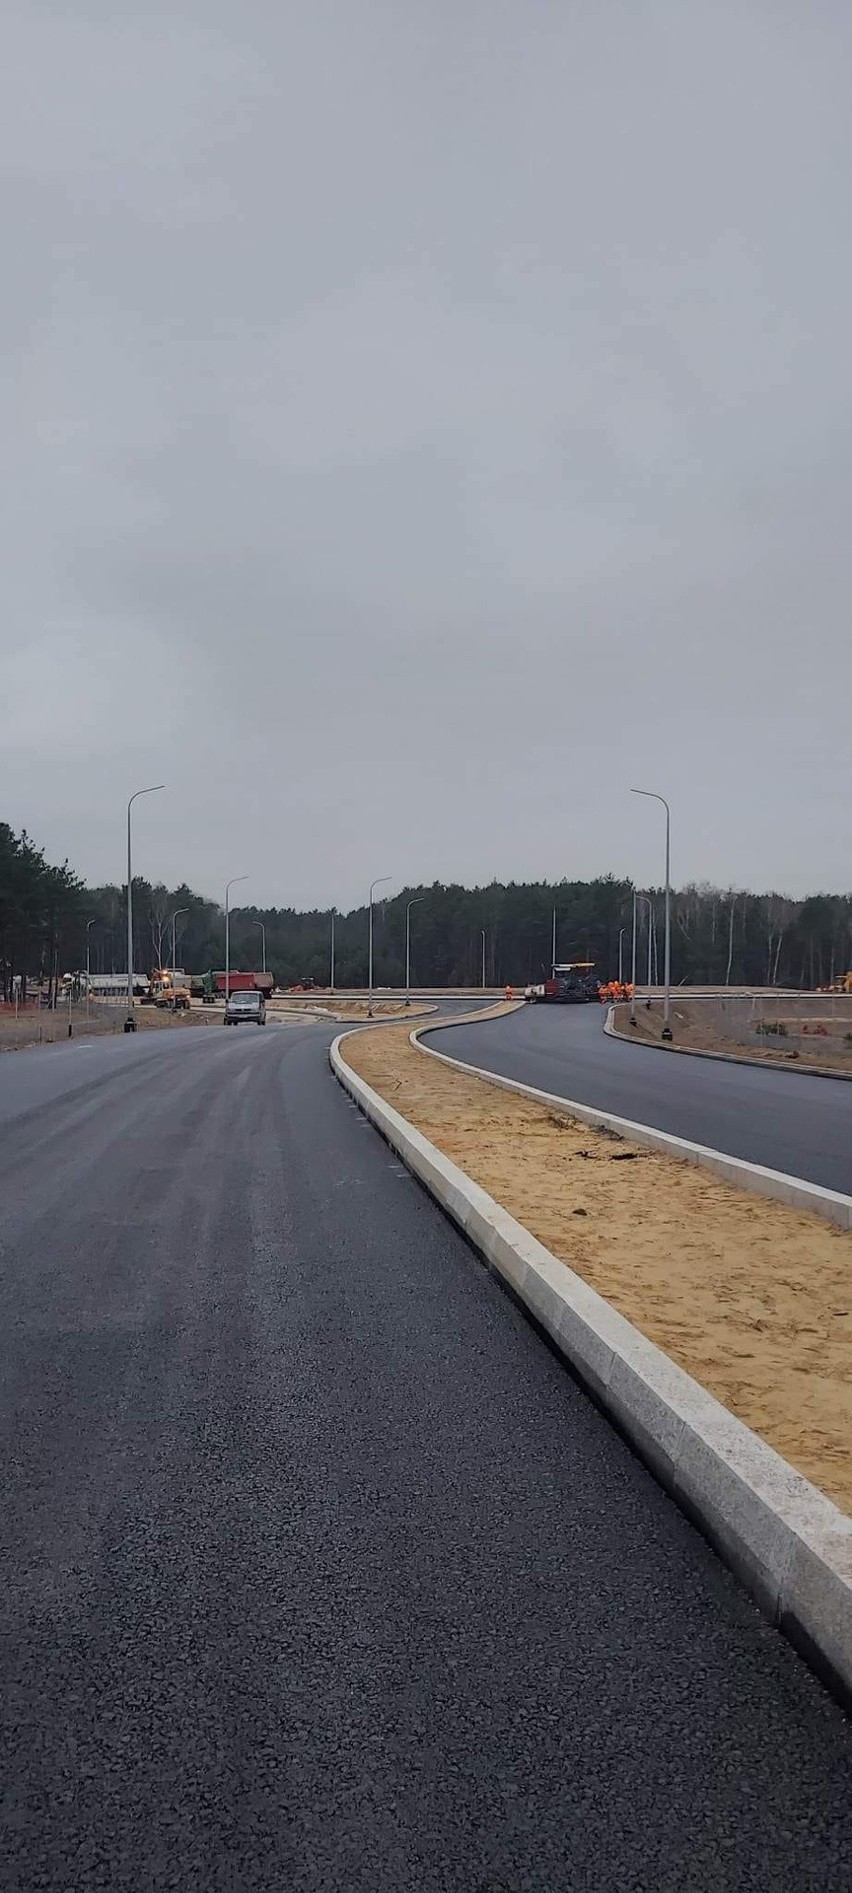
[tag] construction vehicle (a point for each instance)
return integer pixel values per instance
(571, 983)
(213, 985)
(842, 984)
(106, 985)
(168, 990)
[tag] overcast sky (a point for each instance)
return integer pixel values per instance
(422, 420)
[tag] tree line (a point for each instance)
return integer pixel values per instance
(40, 907)
(48, 917)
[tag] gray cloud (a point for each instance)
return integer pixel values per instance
(419, 425)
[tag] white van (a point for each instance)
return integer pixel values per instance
(248, 1006)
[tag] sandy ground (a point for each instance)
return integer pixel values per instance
(751, 1298)
(150, 1018)
(347, 1009)
(341, 994)
(703, 1027)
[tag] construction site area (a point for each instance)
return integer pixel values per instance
(804, 1029)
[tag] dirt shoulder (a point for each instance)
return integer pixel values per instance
(346, 1010)
(816, 1038)
(751, 1298)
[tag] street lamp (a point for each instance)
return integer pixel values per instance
(130, 1021)
(259, 923)
(636, 899)
(232, 883)
(333, 912)
(482, 931)
(621, 933)
(416, 902)
(651, 942)
(89, 923)
(667, 966)
(373, 884)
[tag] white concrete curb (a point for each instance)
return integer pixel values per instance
(790, 1547)
(832, 1205)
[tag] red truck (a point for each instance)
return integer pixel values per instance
(214, 984)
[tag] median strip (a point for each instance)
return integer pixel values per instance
(653, 1277)
(775, 1184)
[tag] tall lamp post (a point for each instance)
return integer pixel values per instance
(373, 884)
(482, 931)
(260, 924)
(416, 902)
(232, 883)
(650, 906)
(636, 900)
(333, 912)
(173, 924)
(667, 962)
(89, 923)
(130, 1021)
(621, 933)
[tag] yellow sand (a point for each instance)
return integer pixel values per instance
(751, 1298)
(347, 1009)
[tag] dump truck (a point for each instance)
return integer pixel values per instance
(213, 984)
(571, 983)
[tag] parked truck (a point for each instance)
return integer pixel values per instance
(212, 985)
(571, 983)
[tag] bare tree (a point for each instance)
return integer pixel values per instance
(158, 918)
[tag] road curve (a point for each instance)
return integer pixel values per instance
(319, 1570)
(786, 1120)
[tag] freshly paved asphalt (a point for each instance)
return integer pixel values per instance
(319, 1572)
(786, 1120)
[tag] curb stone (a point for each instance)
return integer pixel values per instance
(796, 1192)
(788, 1544)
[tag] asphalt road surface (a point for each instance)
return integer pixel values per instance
(319, 1572)
(786, 1120)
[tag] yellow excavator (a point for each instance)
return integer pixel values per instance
(166, 992)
